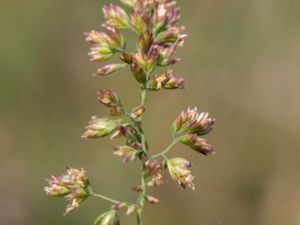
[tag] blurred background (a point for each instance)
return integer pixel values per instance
(241, 62)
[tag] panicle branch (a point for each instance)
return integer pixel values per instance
(158, 39)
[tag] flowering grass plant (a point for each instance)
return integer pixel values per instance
(159, 37)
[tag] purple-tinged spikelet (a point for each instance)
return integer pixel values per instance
(198, 144)
(74, 186)
(100, 127)
(190, 121)
(128, 153)
(108, 218)
(116, 17)
(178, 169)
(109, 69)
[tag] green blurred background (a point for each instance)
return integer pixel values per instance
(241, 62)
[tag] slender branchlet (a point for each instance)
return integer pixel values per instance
(158, 38)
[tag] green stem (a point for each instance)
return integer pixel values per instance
(167, 149)
(105, 198)
(141, 200)
(130, 118)
(143, 96)
(143, 179)
(139, 212)
(143, 100)
(143, 193)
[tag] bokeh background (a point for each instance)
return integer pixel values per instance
(241, 62)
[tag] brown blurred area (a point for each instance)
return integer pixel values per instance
(241, 62)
